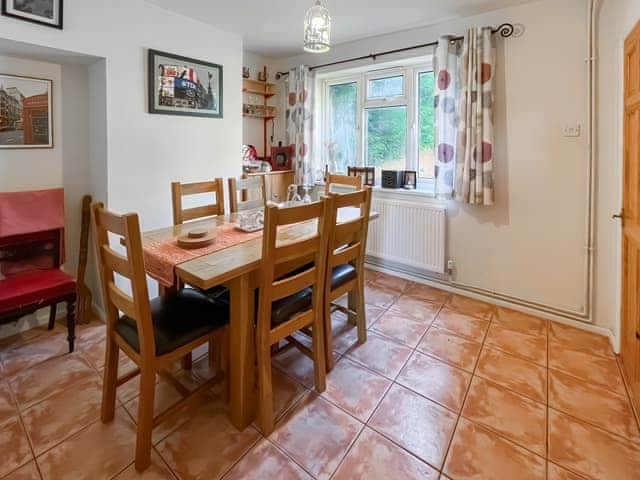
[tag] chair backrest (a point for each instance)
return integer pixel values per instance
(30, 251)
(333, 179)
(302, 260)
(179, 190)
(348, 240)
(243, 186)
(110, 262)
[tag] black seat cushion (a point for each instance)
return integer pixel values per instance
(342, 274)
(177, 320)
(285, 308)
(219, 294)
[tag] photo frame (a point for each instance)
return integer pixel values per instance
(42, 12)
(184, 86)
(368, 174)
(26, 116)
(410, 180)
(281, 157)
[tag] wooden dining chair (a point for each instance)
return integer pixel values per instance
(345, 263)
(153, 334)
(243, 187)
(291, 293)
(180, 190)
(334, 179)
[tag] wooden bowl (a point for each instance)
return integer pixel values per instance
(197, 239)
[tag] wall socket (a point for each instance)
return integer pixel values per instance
(450, 265)
(574, 130)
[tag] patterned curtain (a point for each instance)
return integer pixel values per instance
(446, 60)
(299, 118)
(474, 150)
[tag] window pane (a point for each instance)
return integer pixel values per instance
(386, 139)
(342, 144)
(426, 155)
(386, 87)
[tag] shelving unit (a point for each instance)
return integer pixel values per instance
(260, 111)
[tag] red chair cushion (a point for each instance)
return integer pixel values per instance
(33, 288)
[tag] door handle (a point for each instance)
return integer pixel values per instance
(619, 215)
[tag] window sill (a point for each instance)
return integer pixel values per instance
(425, 192)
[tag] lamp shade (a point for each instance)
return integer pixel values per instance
(317, 29)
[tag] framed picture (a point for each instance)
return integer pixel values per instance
(281, 157)
(410, 179)
(25, 112)
(368, 174)
(44, 12)
(184, 86)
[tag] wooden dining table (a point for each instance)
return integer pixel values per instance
(236, 267)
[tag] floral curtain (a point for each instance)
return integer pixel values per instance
(446, 62)
(474, 158)
(299, 118)
(464, 117)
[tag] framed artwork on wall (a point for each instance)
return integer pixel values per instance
(184, 86)
(44, 12)
(26, 113)
(281, 157)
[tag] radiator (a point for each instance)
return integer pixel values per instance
(408, 233)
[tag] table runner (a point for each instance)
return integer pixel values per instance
(161, 257)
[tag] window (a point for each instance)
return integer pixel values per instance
(382, 118)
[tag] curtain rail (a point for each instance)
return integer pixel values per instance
(505, 30)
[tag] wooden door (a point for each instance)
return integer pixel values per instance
(630, 351)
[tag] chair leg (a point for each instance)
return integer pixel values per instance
(109, 384)
(214, 352)
(319, 352)
(361, 310)
(187, 361)
(328, 334)
(145, 418)
(52, 316)
(71, 324)
(265, 386)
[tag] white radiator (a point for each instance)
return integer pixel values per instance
(408, 233)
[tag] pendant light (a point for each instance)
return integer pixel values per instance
(317, 29)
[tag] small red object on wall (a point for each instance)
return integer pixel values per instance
(281, 157)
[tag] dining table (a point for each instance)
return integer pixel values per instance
(237, 267)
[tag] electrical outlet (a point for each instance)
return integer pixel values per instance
(450, 265)
(572, 130)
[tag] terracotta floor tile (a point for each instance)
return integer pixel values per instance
(477, 453)
(344, 334)
(516, 417)
(600, 370)
(419, 310)
(435, 380)
(91, 333)
(297, 365)
(427, 293)
(593, 404)
(590, 451)
(421, 426)
(14, 446)
(7, 405)
(402, 328)
(158, 470)
(370, 275)
(450, 348)
(316, 435)
(378, 296)
(554, 472)
(581, 340)
(373, 313)
(26, 472)
(63, 414)
(390, 283)
(533, 348)
(44, 347)
(470, 306)
(49, 378)
(520, 322)
(207, 445)
(100, 451)
(381, 355)
(265, 461)
(462, 325)
(375, 457)
(514, 373)
(355, 389)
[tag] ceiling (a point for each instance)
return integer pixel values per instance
(274, 27)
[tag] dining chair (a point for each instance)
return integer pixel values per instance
(334, 179)
(243, 187)
(180, 190)
(152, 333)
(345, 264)
(290, 293)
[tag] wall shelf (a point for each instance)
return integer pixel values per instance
(259, 108)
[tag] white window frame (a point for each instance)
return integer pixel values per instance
(411, 69)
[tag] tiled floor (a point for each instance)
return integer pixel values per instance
(445, 388)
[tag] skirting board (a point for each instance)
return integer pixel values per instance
(442, 282)
(38, 319)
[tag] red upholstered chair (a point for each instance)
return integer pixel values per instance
(33, 279)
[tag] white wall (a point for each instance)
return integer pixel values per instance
(530, 245)
(40, 168)
(146, 152)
